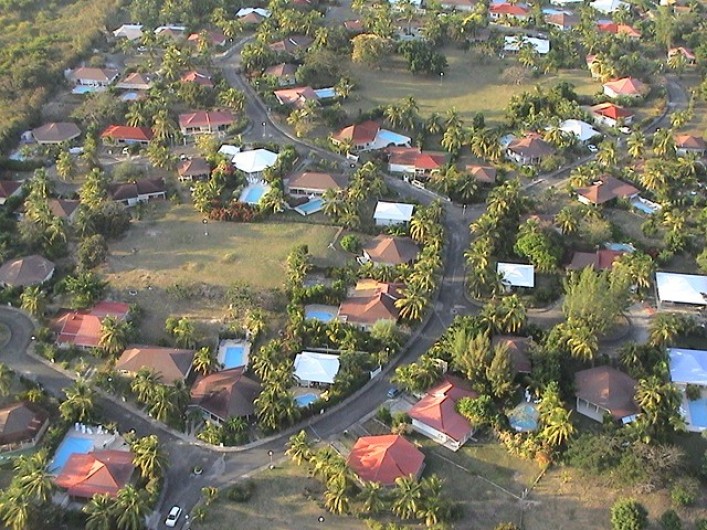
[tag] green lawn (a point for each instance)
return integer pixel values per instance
(469, 85)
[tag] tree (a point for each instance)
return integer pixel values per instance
(65, 166)
(663, 143)
(148, 457)
(567, 220)
(131, 507)
(500, 372)
(540, 247)
(369, 49)
(299, 448)
(99, 512)
(86, 288)
(666, 327)
(371, 498)
(407, 497)
(115, 335)
(164, 403)
(182, 330)
(412, 302)
(558, 427)
(336, 497)
(33, 300)
(204, 361)
(15, 509)
(79, 404)
(33, 478)
(144, 384)
(233, 99)
(628, 514)
(660, 402)
(636, 143)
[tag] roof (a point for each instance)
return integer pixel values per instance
(291, 44)
(600, 260)
(685, 52)
(394, 211)
(681, 288)
(580, 129)
(391, 250)
(63, 208)
(688, 366)
(564, 20)
(485, 174)
(83, 328)
(353, 25)
(609, 110)
(244, 11)
(504, 8)
(608, 6)
(618, 29)
(170, 364)
(519, 350)
(135, 81)
(310, 180)
(413, 156)
(316, 367)
(9, 188)
(297, 96)
(201, 78)
(626, 86)
(129, 31)
(99, 472)
(688, 141)
(103, 75)
(607, 189)
(531, 147)
(127, 133)
(607, 388)
(56, 132)
(369, 305)
(215, 37)
(120, 191)
(516, 274)
(383, 459)
(202, 118)
(254, 161)
(194, 167)
(438, 408)
(513, 43)
(281, 70)
(20, 422)
(29, 270)
(359, 133)
(226, 394)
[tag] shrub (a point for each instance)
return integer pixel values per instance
(701, 524)
(693, 392)
(241, 492)
(670, 520)
(92, 251)
(628, 514)
(384, 416)
(684, 492)
(350, 243)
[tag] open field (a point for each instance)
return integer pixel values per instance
(469, 85)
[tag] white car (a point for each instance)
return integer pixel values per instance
(592, 148)
(173, 516)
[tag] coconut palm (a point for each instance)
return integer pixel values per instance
(204, 361)
(131, 507)
(558, 427)
(79, 404)
(512, 314)
(371, 497)
(608, 155)
(183, 331)
(163, 126)
(114, 335)
(33, 478)
(336, 497)
(299, 448)
(148, 456)
(412, 302)
(15, 509)
(233, 99)
(163, 404)
(144, 384)
(434, 124)
(665, 328)
(582, 342)
(407, 497)
(33, 300)
(567, 219)
(99, 512)
(254, 323)
(636, 143)
(663, 143)
(65, 166)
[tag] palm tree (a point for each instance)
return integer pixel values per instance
(183, 331)
(65, 166)
(336, 497)
(412, 302)
(114, 335)
(233, 99)
(99, 512)
(371, 497)
(6, 378)
(408, 497)
(512, 314)
(33, 478)
(33, 300)
(15, 509)
(434, 124)
(273, 201)
(582, 342)
(663, 143)
(558, 427)
(163, 404)
(79, 404)
(163, 126)
(567, 220)
(254, 323)
(131, 507)
(204, 361)
(148, 456)
(299, 448)
(608, 155)
(665, 328)
(636, 143)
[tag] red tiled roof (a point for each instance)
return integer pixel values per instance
(391, 250)
(609, 110)
(485, 174)
(688, 141)
(600, 260)
(200, 78)
(412, 156)
(563, 20)
(627, 86)
(608, 388)
(83, 328)
(99, 472)
(369, 305)
(618, 29)
(383, 459)
(127, 133)
(281, 70)
(607, 189)
(508, 9)
(359, 133)
(202, 118)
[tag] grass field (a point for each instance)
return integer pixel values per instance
(468, 85)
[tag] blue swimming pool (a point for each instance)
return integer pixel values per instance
(698, 412)
(308, 208)
(305, 400)
(524, 418)
(69, 446)
(234, 356)
(254, 192)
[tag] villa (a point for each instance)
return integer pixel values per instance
(315, 369)
(368, 136)
(213, 37)
(135, 81)
(314, 184)
(192, 169)
(128, 31)
(169, 364)
(82, 328)
(626, 87)
(29, 270)
(173, 32)
(254, 162)
(137, 191)
(390, 250)
(21, 425)
(529, 150)
(392, 213)
(605, 391)
(283, 72)
(562, 21)
(296, 97)
(205, 122)
(126, 135)
(500, 10)
(368, 303)
(602, 259)
(225, 394)
(94, 77)
(689, 367)
(673, 288)
(414, 161)
(56, 133)
(689, 145)
(64, 208)
(581, 130)
(606, 190)
(292, 45)
(252, 16)
(382, 459)
(103, 472)
(482, 174)
(611, 115)
(200, 77)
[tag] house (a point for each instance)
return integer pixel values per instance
(254, 162)
(311, 368)
(516, 274)
(626, 87)
(296, 97)
(500, 10)
(213, 38)
(314, 184)
(127, 135)
(354, 26)
(392, 213)
(225, 394)
(606, 26)
(417, 4)
(414, 161)
(562, 21)
(135, 81)
(9, 188)
(64, 208)
(173, 32)
(169, 364)
(436, 416)
(252, 16)
(368, 136)
(687, 53)
(56, 133)
(369, 303)
(688, 367)
(200, 77)
(602, 259)
(21, 424)
(138, 191)
(519, 348)
(604, 390)
(606, 190)
(684, 289)
(581, 130)
(513, 43)
(292, 45)
(565, 2)
(382, 459)
(284, 73)
(129, 32)
(529, 150)
(458, 5)
(192, 169)
(687, 144)
(29, 270)
(611, 115)
(390, 250)
(205, 122)
(609, 6)
(103, 472)
(482, 174)
(83, 328)
(94, 77)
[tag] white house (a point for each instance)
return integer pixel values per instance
(689, 367)
(581, 130)
(609, 6)
(513, 43)
(675, 288)
(516, 274)
(311, 368)
(245, 11)
(392, 213)
(255, 161)
(602, 391)
(129, 31)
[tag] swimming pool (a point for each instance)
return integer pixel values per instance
(323, 313)
(313, 206)
(69, 446)
(524, 418)
(254, 192)
(305, 400)
(233, 353)
(698, 413)
(553, 11)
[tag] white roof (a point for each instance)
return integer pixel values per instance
(254, 161)
(316, 367)
(386, 138)
(681, 288)
(395, 211)
(514, 42)
(608, 6)
(565, 2)
(248, 10)
(688, 366)
(229, 150)
(173, 27)
(516, 274)
(581, 129)
(129, 31)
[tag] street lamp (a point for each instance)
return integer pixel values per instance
(263, 129)
(270, 453)
(441, 76)
(320, 518)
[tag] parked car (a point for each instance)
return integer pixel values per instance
(393, 391)
(592, 148)
(173, 516)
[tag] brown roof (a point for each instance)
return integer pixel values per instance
(281, 70)
(359, 133)
(564, 20)
(135, 81)
(485, 174)
(291, 44)
(202, 78)
(685, 52)
(519, 350)
(252, 18)
(194, 167)
(226, 394)
(310, 180)
(63, 208)
(370, 303)
(354, 26)
(20, 422)
(600, 260)
(103, 75)
(384, 458)
(438, 408)
(9, 188)
(54, 133)
(607, 388)
(688, 141)
(29, 270)
(202, 118)
(99, 472)
(413, 156)
(83, 328)
(215, 37)
(297, 96)
(119, 191)
(169, 364)
(607, 189)
(531, 147)
(391, 250)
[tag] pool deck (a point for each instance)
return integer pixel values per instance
(100, 441)
(221, 355)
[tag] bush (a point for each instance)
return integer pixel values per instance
(701, 524)
(350, 243)
(92, 251)
(670, 520)
(384, 416)
(693, 392)
(628, 514)
(684, 492)
(241, 492)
